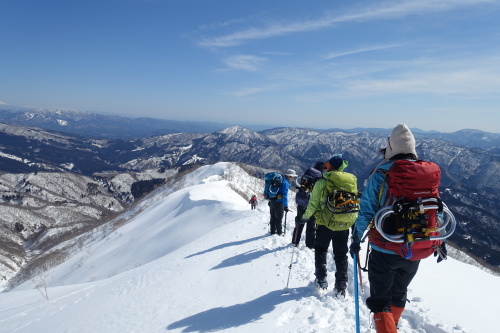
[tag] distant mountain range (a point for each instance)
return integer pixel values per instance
(48, 177)
(99, 125)
(116, 127)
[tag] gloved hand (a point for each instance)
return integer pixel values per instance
(286, 209)
(441, 253)
(355, 247)
(303, 221)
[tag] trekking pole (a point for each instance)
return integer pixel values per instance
(356, 297)
(359, 273)
(286, 291)
(284, 230)
(365, 269)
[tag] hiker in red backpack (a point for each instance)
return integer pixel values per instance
(392, 265)
(253, 201)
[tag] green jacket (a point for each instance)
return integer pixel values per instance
(332, 180)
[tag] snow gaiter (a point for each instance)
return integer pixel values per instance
(396, 313)
(384, 322)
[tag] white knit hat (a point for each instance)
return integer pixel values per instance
(401, 141)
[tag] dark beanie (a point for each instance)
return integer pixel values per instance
(320, 166)
(336, 161)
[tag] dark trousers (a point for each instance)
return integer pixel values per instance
(389, 276)
(299, 226)
(339, 241)
(276, 209)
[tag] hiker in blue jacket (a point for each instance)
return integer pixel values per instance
(389, 273)
(279, 205)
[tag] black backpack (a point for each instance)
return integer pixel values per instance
(305, 185)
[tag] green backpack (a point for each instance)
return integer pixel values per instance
(340, 201)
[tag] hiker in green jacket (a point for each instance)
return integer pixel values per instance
(332, 227)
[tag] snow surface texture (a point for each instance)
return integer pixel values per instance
(199, 260)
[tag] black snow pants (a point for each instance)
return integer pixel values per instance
(276, 209)
(389, 276)
(299, 226)
(339, 241)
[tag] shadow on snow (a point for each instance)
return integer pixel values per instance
(221, 246)
(246, 257)
(237, 315)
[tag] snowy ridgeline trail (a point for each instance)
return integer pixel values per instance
(226, 273)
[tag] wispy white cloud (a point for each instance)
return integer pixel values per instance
(388, 10)
(221, 24)
(466, 82)
(466, 78)
(247, 91)
(333, 55)
(244, 62)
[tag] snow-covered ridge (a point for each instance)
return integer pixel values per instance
(197, 259)
(219, 186)
(469, 174)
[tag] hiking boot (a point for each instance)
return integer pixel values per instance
(339, 293)
(321, 283)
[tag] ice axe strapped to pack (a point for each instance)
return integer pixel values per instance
(411, 219)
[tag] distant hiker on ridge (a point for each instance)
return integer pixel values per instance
(253, 201)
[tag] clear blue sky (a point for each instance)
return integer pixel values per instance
(433, 64)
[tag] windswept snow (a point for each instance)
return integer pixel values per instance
(199, 260)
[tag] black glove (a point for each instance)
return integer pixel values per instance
(441, 252)
(354, 248)
(303, 221)
(286, 209)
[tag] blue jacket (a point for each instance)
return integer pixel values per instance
(371, 201)
(283, 191)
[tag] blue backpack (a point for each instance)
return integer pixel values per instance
(273, 182)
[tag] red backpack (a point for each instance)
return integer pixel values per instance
(408, 223)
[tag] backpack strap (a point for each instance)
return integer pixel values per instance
(381, 190)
